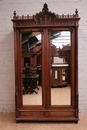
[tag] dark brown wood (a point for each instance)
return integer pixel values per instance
(43, 22)
(58, 68)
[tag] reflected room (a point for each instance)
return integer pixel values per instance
(60, 44)
(60, 68)
(31, 68)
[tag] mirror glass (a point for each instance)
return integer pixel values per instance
(31, 68)
(60, 43)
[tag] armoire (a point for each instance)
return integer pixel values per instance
(46, 66)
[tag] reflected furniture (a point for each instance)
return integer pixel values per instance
(63, 54)
(30, 84)
(59, 68)
(33, 59)
(29, 81)
(65, 51)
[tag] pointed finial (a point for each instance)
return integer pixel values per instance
(14, 13)
(76, 12)
(45, 7)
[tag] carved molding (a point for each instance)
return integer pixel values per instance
(54, 22)
(45, 17)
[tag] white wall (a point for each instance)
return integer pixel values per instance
(24, 7)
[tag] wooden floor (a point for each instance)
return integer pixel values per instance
(59, 96)
(7, 122)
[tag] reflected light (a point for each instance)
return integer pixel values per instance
(62, 39)
(38, 37)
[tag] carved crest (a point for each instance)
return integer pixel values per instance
(45, 17)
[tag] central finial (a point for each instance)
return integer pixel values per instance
(45, 7)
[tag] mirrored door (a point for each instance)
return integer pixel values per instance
(31, 68)
(60, 44)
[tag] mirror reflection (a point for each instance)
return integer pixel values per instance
(60, 43)
(31, 68)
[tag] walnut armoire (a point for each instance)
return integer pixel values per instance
(47, 23)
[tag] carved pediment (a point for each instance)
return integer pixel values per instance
(45, 17)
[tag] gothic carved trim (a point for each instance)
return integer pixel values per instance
(45, 17)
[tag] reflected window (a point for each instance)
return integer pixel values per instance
(60, 39)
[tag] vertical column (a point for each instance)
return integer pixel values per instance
(46, 68)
